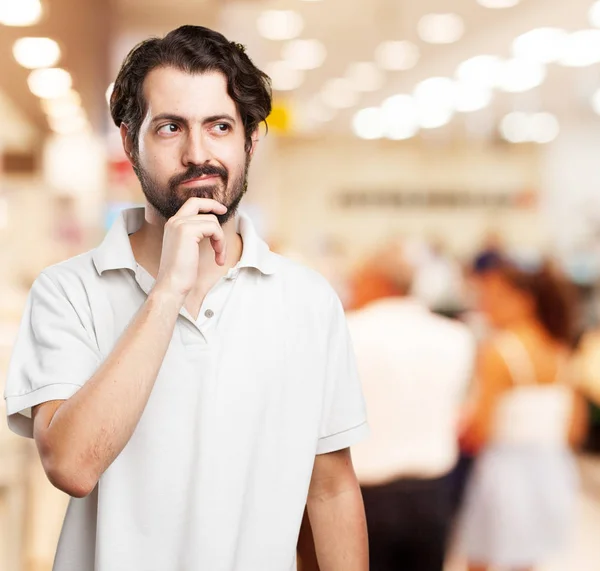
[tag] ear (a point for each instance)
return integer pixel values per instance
(254, 138)
(127, 142)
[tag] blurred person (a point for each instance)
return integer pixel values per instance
(193, 391)
(587, 365)
(415, 367)
(438, 281)
(525, 418)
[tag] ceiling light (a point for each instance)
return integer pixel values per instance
(280, 24)
(543, 128)
(365, 76)
(49, 83)
(441, 28)
(400, 117)
(368, 123)
(34, 53)
(71, 98)
(435, 99)
(594, 14)
(61, 107)
(397, 55)
(20, 12)
(402, 132)
(434, 118)
(339, 94)
(471, 97)
(304, 54)
(581, 49)
(514, 127)
(596, 102)
(498, 4)
(530, 128)
(542, 45)
(519, 75)
(436, 92)
(283, 76)
(68, 125)
(481, 70)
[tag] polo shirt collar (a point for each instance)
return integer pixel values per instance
(114, 253)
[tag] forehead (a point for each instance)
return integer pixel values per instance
(170, 90)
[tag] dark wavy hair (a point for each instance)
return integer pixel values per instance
(555, 297)
(193, 49)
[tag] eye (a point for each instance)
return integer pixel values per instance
(222, 128)
(168, 129)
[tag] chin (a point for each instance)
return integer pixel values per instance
(210, 192)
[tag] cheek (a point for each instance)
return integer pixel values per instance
(230, 152)
(234, 162)
(161, 163)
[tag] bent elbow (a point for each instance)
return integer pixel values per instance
(68, 476)
(73, 483)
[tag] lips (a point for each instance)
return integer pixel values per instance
(200, 179)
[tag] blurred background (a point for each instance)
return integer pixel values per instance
(454, 126)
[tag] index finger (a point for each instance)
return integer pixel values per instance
(195, 205)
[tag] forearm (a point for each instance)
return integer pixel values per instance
(339, 530)
(89, 430)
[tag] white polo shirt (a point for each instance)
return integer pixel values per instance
(216, 474)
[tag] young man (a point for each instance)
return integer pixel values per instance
(190, 389)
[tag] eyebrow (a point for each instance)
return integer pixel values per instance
(185, 121)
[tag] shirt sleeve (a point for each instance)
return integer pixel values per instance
(343, 421)
(52, 358)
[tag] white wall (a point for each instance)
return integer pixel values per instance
(307, 175)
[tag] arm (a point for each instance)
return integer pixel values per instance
(579, 421)
(493, 379)
(307, 556)
(78, 439)
(336, 513)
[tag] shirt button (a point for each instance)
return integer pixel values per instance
(209, 313)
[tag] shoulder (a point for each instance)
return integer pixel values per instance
(491, 359)
(303, 283)
(70, 278)
(457, 330)
(453, 332)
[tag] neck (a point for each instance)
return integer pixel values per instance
(529, 327)
(146, 244)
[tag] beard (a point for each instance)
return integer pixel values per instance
(167, 200)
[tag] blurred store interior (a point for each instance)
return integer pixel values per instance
(447, 124)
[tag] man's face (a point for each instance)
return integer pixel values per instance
(191, 142)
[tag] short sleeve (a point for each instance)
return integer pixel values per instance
(343, 421)
(52, 357)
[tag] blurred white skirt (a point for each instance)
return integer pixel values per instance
(519, 505)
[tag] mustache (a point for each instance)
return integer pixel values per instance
(196, 171)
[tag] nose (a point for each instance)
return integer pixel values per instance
(195, 151)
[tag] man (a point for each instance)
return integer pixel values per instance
(415, 367)
(190, 389)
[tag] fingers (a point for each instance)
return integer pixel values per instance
(196, 205)
(203, 226)
(220, 248)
